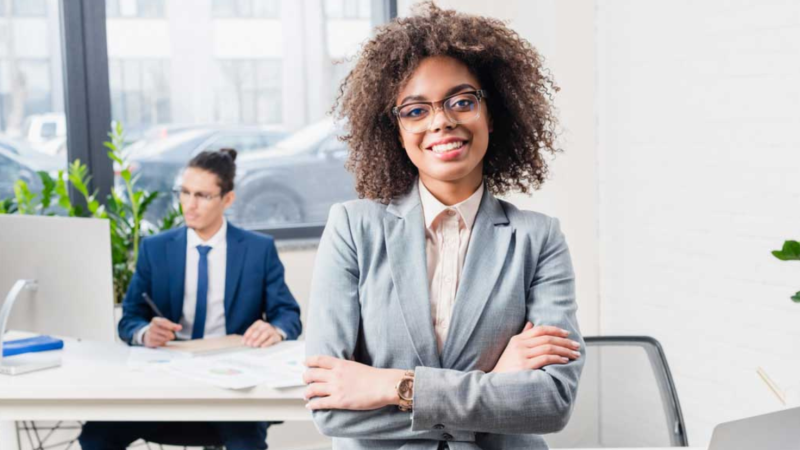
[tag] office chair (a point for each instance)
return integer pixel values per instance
(626, 398)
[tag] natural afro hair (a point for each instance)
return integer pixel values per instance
(520, 93)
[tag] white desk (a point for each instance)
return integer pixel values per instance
(95, 383)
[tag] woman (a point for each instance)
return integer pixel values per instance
(425, 293)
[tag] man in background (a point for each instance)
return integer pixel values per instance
(208, 279)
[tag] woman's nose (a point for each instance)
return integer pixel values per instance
(440, 120)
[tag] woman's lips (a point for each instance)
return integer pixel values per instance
(448, 155)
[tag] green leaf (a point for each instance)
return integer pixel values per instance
(796, 297)
(48, 189)
(126, 175)
(78, 176)
(790, 251)
(25, 198)
(113, 156)
(151, 196)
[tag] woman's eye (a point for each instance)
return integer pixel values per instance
(462, 104)
(415, 113)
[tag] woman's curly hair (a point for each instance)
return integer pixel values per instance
(520, 100)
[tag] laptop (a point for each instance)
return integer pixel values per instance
(775, 431)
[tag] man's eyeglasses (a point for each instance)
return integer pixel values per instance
(185, 195)
(459, 108)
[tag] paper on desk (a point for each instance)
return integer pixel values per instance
(277, 367)
(147, 358)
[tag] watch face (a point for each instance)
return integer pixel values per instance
(406, 389)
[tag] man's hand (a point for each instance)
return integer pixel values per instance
(160, 332)
(335, 383)
(537, 347)
(261, 334)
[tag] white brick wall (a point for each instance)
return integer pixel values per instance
(699, 178)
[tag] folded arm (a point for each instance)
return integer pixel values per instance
(460, 403)
(527, 401)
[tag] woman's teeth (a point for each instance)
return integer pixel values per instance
(443, 148)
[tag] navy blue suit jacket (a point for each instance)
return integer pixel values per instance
(254, 284)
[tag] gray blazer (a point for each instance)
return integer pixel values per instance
(369, 302)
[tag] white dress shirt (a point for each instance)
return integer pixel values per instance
(447, 233)
(215, 300)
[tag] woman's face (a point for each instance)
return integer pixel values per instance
(446, 152)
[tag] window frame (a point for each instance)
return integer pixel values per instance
(87, 99)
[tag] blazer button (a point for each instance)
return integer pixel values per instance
(447, 437)
(438, 426)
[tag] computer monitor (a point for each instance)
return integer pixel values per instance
(70, 260)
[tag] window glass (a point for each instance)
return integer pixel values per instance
(32, 123)
(258, 76)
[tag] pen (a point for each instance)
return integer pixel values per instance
(771, 384)
(151, 304)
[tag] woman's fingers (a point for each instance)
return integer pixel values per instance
(551, 340)
(316, 376)
(546, 360)
(316, 390)
(321, 403)
(544, 331)
(321, 361)
(553, 350)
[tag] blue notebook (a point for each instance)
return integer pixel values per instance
(30, 345)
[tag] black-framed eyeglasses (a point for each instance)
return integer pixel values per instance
(463, 107)
(201, 197)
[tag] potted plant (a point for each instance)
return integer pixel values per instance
(124, 208)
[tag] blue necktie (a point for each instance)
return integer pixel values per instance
(199, 327)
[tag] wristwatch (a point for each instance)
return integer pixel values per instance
(405, 391)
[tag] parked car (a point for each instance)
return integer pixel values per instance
(41, 128)
(14, 167)
(294, 182)
(33, 157)
(158, 159)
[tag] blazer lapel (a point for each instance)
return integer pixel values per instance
(404, 229)
(486, 256)
(176, 266)
(234, 261)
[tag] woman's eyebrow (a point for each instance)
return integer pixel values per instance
(451, 91)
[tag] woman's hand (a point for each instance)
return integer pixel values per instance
(335, 383)
(535, 348)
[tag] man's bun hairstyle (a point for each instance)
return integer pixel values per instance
(221, 163)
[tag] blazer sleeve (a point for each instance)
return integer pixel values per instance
(333, 328)
(281, 307)
(530, 401)
(135, 312)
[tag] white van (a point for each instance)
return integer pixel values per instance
(42, 128)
